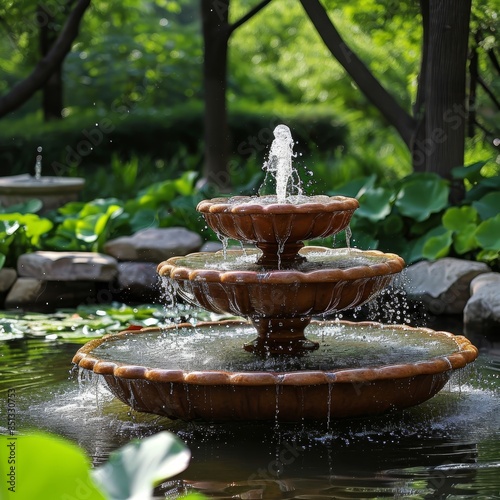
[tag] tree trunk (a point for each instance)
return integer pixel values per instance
(216, 31)
(23, 90)
(445, 88)
(52, 91)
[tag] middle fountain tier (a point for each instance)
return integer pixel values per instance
(281, 285)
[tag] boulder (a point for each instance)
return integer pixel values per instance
(67, 266)
(138, 281)
(482, 311)
(154, 245)
(211, 246)
(442, 285)
(7, 278)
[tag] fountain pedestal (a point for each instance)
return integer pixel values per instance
(53, 192)
(281, 336)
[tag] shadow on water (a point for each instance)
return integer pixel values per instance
(448, 447)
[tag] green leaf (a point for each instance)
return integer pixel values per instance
(416, 247)
(143, 219)
(438, 247)
(455, 218)
(2, 260)
(47, 467)
(27, 207)
(488, 234)
(392, 225)
(36, 227)
(465, 240)
(488, 256)
(132, 471)
(470, 172)
(85, 229)
(185, 183)
(486, 186)
(356, 187)
(100, 206)
(9, 225)
(488, 206)
(375, 204)
(71, 208)
(421, 196)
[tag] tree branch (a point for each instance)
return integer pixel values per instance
(248, 15)
(23, 90)
(487, 132)
(363, 77)
(489, 92)
(494, 60)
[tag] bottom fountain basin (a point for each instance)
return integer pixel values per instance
(201, 373)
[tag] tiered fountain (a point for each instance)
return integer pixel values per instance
(295, 369)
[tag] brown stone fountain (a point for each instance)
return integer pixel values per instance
(295, 368)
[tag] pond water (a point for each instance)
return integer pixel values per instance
(449, 447)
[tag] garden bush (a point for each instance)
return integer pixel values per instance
(86, 140)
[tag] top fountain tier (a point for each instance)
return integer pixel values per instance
(278, 229)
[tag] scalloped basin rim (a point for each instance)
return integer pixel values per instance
(465, 354)
(393, 264)
(251, 205)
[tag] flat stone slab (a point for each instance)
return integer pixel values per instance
(443, 285)
(67, 266)
(31, 294)
(7, 278)
(154, 245)
(482, 311)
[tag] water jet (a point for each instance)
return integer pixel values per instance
(52, 191)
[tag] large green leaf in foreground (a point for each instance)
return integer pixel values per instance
(132, 471)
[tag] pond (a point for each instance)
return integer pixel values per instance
(448, 447)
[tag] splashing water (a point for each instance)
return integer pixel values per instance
(38, 164)
(279, 164)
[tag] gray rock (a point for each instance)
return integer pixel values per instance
(67, 266)
(138, 280)
(7, 278)
(442, 285)
(211, 246)
(482, 311)
(38, 295)
(154, 245)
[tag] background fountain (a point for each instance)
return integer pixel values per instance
(52, 191)
(298, 369)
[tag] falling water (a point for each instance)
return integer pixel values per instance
(348, 236)
(38, 164)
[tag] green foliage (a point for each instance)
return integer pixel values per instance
(49, 466)
(132, 470)
(412, 217)
(80, 226)
(161, 142)
(20, 231)
(422, 195)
